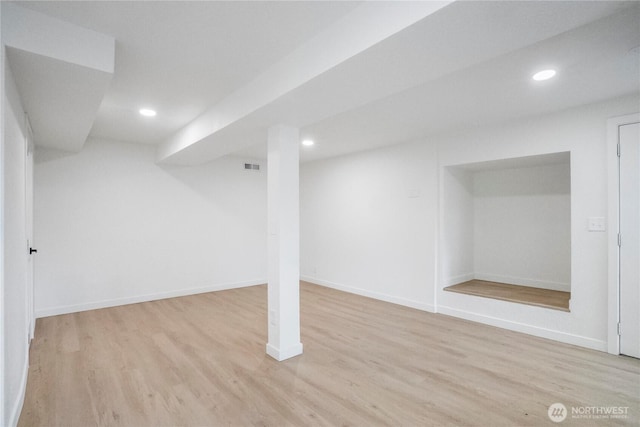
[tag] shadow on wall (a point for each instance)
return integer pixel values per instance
(226, 181)
(44, 155)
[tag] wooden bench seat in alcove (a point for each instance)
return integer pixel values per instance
(557, 300)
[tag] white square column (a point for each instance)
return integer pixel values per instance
(283, 211)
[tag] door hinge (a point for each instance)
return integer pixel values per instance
(618, 149)
(619, 239)
(619, 329)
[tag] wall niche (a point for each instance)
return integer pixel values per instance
(508, 222)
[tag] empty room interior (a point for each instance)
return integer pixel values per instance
(320, 213)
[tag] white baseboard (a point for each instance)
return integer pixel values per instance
(522, 281)
(285, 354)
(371, 294)
(94, 305)
(551, 334)
(16, 410)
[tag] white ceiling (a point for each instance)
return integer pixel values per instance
(179, 57)
(594, 62)
(469, 63)
(57, 93)
(61, 71)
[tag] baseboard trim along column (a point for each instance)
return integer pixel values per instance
(288, 353)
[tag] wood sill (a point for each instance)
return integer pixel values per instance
(556, 300)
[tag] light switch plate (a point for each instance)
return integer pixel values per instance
(596, 223)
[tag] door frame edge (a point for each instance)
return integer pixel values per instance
(613, 203)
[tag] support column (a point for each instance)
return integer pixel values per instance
(283, 210)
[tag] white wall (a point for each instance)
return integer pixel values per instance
(522, 226)
(362, 233)
(3, 419)
(113, 227)
(456, 227)
(368, 223)
(581, 131)
(15, 313)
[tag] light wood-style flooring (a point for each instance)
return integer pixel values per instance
(200, 361)
(556, 300)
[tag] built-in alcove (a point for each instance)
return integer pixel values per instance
(508, 222)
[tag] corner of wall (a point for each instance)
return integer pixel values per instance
(2, 382)
(14, 416)
(371, 294)
(14, 341)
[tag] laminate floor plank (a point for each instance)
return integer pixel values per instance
(200, 361)
(556, 300)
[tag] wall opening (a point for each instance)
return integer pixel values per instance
(507, 229)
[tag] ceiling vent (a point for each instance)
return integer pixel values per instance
(252, 166)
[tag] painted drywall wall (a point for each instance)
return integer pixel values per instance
(508, 224)
(113, 227)
(582, 132)
(3, 419)
(363, 232)
(15, 313)
(368, 223)
(522, 226)
(456, 229)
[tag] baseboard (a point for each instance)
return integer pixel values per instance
(285, 354)
(551, 334)
(371, 294)
(16, 410)
(522, 281)
(74, 308)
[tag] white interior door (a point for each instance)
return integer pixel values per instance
(29, 227)
(629, 138)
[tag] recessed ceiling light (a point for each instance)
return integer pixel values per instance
(147, 112)
(544, 75)
(307, 143)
